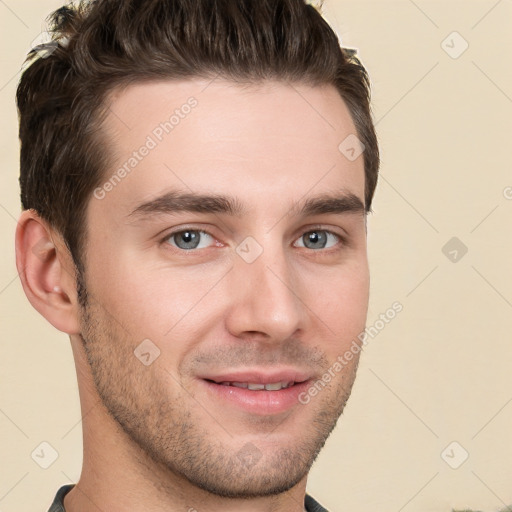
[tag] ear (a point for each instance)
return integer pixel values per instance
(47, 272)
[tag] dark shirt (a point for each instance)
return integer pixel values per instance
(58, 503)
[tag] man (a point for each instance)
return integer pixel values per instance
(195, 178)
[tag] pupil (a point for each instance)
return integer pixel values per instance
(188, 239)
(315, 238)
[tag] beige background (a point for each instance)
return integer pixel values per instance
(441, 370)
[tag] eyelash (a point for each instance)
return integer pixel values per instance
(343, 242)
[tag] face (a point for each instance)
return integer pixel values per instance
(209, 319)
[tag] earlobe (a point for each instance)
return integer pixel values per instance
(46, 272)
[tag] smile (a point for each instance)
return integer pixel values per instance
(254, 386)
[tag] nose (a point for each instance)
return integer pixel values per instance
(266, 302)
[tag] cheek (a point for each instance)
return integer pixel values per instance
(155, 301)
(340, 301)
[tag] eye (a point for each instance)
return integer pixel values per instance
(189, 239)
(319, 238)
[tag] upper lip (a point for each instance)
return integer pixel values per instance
(256, 376)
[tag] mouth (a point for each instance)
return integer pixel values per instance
(256, 386)
(258, 393)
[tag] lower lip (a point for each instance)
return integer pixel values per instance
(260, 402)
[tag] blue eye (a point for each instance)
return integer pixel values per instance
(318, 238)
(189, 239)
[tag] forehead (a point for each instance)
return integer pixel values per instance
(217, 137)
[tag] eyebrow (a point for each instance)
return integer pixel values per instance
(176, 202)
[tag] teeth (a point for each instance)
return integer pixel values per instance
(255, 387)
(273, 386)
(276, 386)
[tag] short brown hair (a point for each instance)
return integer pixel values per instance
(103, 44)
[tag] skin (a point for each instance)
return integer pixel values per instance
(154, 438)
